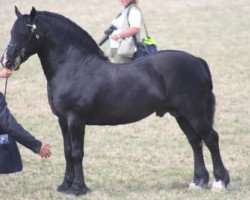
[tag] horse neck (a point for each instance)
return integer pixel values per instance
(60, 44)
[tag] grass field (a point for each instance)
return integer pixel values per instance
(150, 159)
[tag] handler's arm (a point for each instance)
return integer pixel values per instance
(9, 124)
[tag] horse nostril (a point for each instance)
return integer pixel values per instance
(5, 62)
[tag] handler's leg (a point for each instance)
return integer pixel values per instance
(77, 132)
(201, 176)
(69, 172)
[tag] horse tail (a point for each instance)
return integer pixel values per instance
(211, 98)
(205, 65)
(211, 107)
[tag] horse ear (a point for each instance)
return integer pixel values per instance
(32, 13)
(18, 14)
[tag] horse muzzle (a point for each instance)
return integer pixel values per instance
(4, 60)
(12, 65)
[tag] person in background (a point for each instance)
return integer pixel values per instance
(9, 124)
(128, 24)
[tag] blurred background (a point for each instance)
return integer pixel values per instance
(150, 159)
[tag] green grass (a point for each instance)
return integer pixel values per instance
(150, 159)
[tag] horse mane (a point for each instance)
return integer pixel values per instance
(81, 37)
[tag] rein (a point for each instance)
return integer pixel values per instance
(5, 88)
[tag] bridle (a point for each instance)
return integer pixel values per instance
(20, 55)
(33, 28)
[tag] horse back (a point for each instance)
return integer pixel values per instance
(184, 77)
(179, 69)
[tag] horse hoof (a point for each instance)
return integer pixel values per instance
(198, 184)
(64, 187)
(194, 186)
(218, 186)
(78, 190)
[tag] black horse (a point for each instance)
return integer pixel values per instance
(84, 88)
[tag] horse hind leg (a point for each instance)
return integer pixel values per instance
(203, 127)
(221, 174)
(201, 175)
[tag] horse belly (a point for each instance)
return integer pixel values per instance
(122, 112)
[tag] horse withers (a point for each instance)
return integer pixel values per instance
(84, 88)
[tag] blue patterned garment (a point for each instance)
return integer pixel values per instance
(4, 139)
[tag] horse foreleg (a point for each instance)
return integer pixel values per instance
(69, 172)
(77, 132)
(201, 176)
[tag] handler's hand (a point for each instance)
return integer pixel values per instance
(5, 73)
(115, 36)
(45, 151)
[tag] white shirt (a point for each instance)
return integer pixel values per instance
(121, 23)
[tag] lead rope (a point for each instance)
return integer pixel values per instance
(5, 88)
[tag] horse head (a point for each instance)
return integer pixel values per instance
(24, 41)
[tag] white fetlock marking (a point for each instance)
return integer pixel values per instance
(218, 186)
(193, 186)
